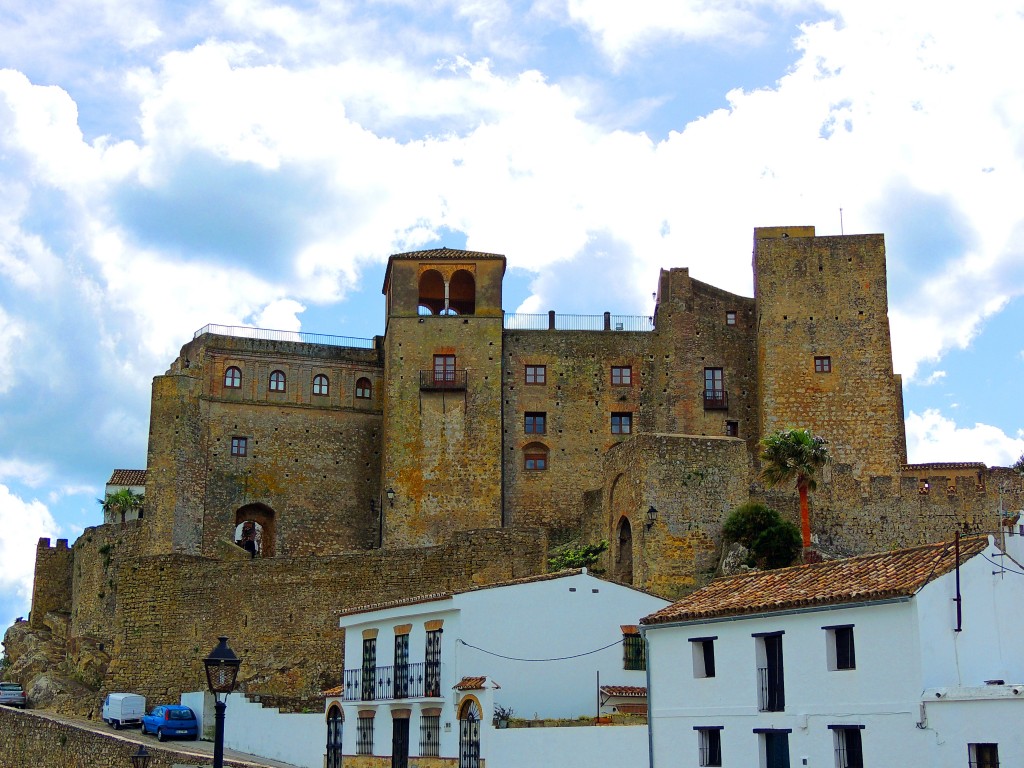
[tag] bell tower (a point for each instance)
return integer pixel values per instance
(442, 469)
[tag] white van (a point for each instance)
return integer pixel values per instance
(123, 709)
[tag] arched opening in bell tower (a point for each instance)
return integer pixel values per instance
(462, 292)
(432, 292)
(254, 530)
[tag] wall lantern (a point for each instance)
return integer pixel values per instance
(390, 493)
(652, 517)
(141, 758)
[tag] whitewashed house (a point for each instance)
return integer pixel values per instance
(425, 677)
(906, 658)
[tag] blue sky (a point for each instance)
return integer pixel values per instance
(168, 164)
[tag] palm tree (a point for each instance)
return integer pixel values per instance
(794, 455)
(122, 502)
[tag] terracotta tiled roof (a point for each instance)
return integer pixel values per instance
(900, 573)
(336, 691)
(626, 691)
(470, 684)
(128, 477)
(432, 254)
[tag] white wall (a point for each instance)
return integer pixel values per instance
(958, 723)
(583, 747)
(296, 738)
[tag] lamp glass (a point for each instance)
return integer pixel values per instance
(141, 758)
(221, 668)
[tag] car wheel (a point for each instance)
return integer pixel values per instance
(159, 734)
(117, 725)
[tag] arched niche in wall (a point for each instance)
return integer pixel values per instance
(462, 292)
(255, 529)
(624, 551)
(431, 292)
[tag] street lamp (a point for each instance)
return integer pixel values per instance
(652, 517)
(141, 758)
(221, 671)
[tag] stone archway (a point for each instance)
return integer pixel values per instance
(255, 529)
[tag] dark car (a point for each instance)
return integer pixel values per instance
(171, 721)
(12, 694)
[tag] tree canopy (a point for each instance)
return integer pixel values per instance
(794, 455)
(772, 541)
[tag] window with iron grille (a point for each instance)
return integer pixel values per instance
(536, 374)
(622, 376)
(622, 423)
(364, 735)
(430, 735)
(535, 423)
(840, 650)
(369, 686)
(432, 668)
(710, 746)
(401, 666)
(277, 381)
(633, 655)
(848, 746)
(983, 755)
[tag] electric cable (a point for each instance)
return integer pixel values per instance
(558, 658)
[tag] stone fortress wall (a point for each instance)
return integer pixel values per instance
(422, 486)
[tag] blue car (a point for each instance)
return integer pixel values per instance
(171, 722)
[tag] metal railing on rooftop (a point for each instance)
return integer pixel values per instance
(559, 322)
(246, 332)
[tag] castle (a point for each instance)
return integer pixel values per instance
(292, 476)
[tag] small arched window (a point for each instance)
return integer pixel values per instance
(364, 389)
(535, 457)
(321, 386)
(233, 378)
(277, 381)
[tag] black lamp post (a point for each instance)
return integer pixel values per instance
(141, 758)
(221, 672)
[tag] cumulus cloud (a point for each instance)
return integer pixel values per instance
(930, 436)
(22, 523)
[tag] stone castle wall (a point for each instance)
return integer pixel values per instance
(51, 590)
(281, 614)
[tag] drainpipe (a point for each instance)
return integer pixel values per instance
(650, 711)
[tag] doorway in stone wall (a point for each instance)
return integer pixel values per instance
(254, 530)
(624, 552)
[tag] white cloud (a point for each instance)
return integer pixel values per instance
(22, 524)
(932, 437)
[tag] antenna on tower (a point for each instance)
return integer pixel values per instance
(841, 222)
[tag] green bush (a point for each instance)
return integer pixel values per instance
(772, 541)
(577, 556)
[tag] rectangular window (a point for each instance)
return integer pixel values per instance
(732, 429)
(622, 423)
(774, 749)
(239, 446)
(703, 649)
(534, 423)
(823, 364)
(536, 374)
(633, 656)
(730, 317)
(770, 678)
(444, 369)
(364, 735)
(714, 389)
(430, 735)
(622, 376)
(535, 460)
(710, 745)
(840, 649)
(846, 739)
(983, 755)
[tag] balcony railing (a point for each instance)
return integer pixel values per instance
(408, 681)
(561, 322)
(245, 332)
(449, 379)
(770, 696)
(716, 400)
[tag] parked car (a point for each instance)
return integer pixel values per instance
(121, 709)
(171, 721)
(12, 695)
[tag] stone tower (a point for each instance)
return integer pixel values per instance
(442, 448)
(824, 357)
